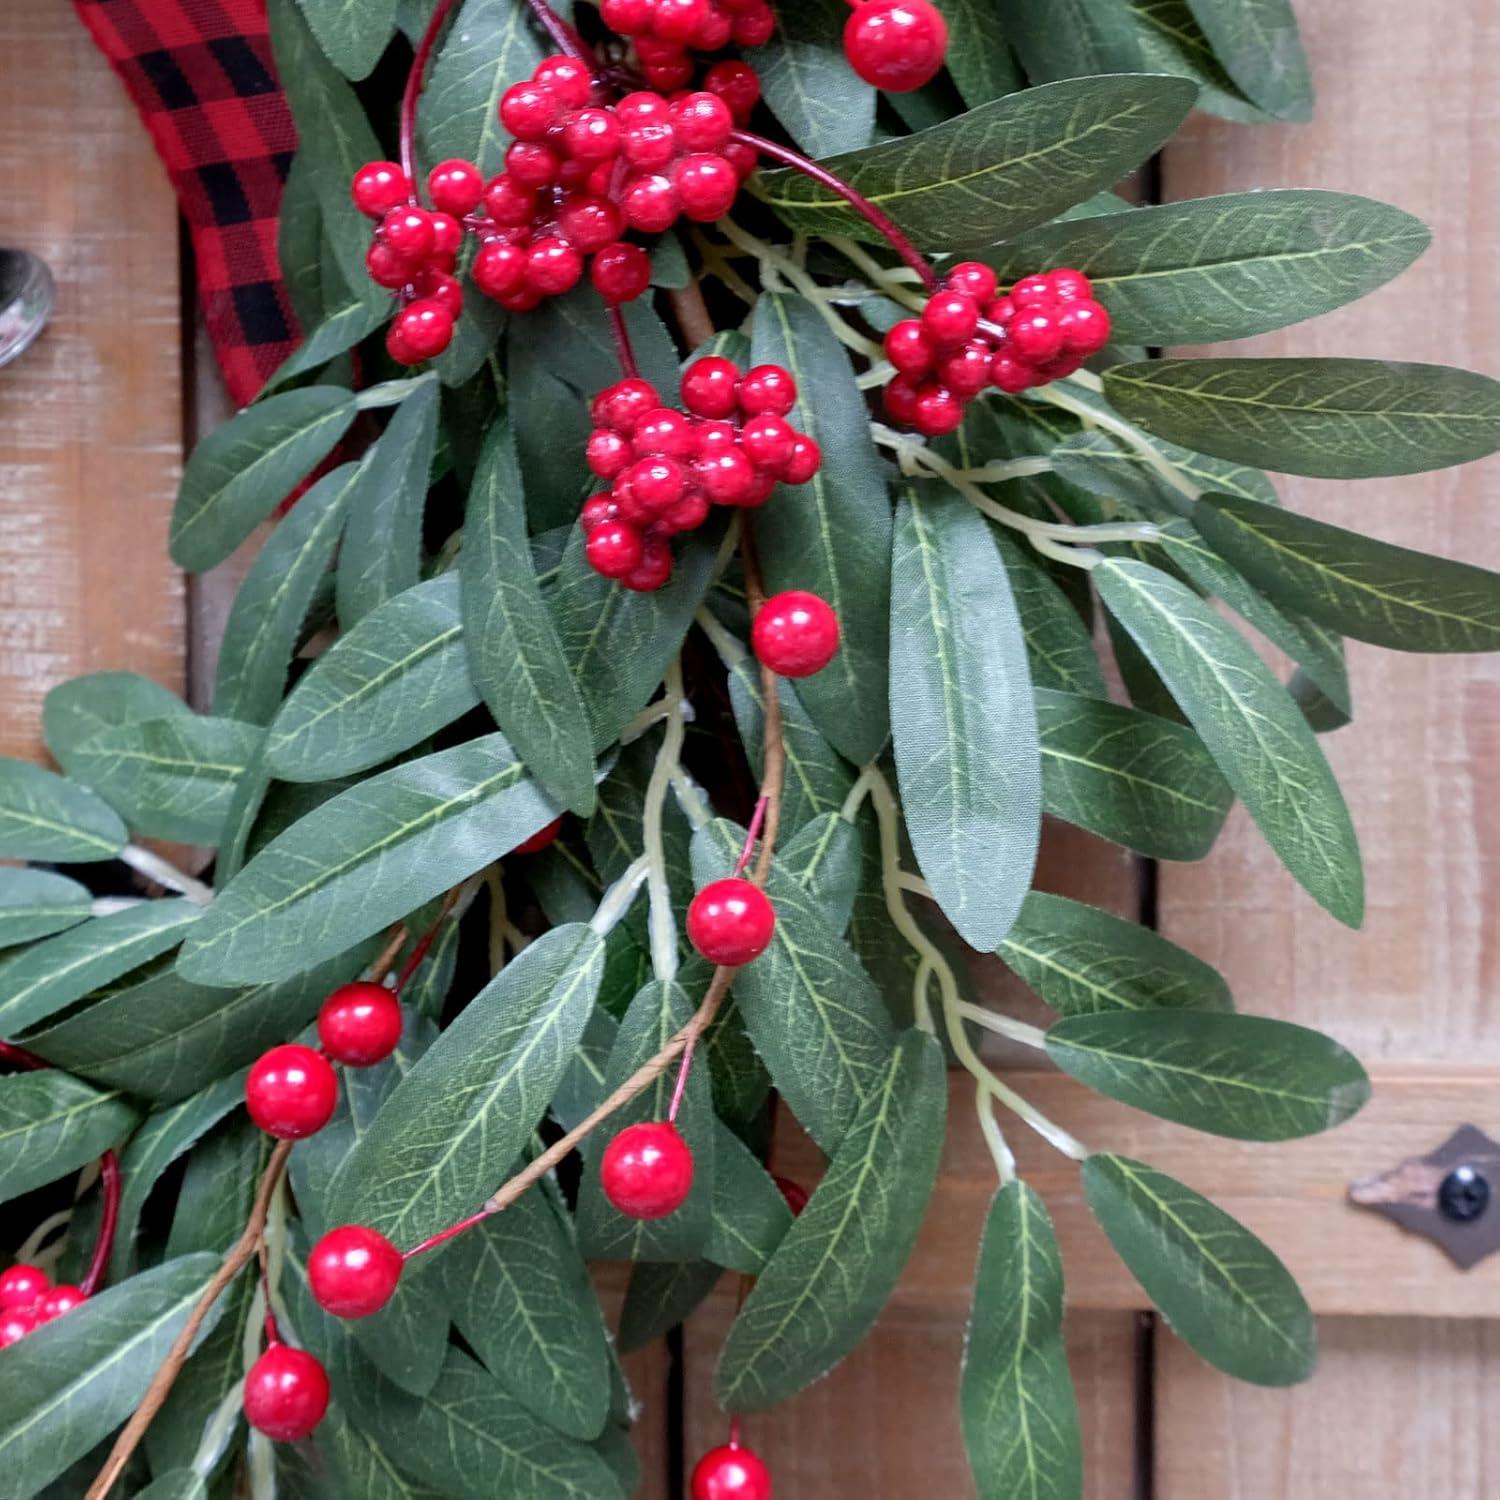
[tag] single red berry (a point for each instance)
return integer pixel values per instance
(716, 31)
(897, 45)
(1031, 290)
(738, 85)
(1059, 368)
(439, 286)
(589, 223)
(291, 1092)
(650, 144)
(975, 278)
(529, 110)
(732, 1472)
(15, 1324)
(909, 347)
(668, 74)
(664, 433)
(353, 1271)
(794, 1193)
(795, 633)
(532, 164)
(710, 438)
(731, 921)
(614, 549)
(1069, 285)
(950, 317)
(286, 1393)
(60, 1301)
(755, 27)
(686, 514)
(651, 203)
(408, 231)
(806, 460)
(596, 511)
(703, 121)
(455, 186)
(608, 454)
(553, 266)
(1001, 310)
(567, 79)
(380, 186)
(360, 1024)
(708, 387)
(901, 397)
(621, 272)
(653, 570)
(1012, 375)
(524, 299)
(1084, 326)
(592, 135)
(21, 1285)
(423, 330)
(707, 186)
(541, 839)
(727, 476)
(652, 484)
(647, 1170)
(966, 371)
(743, 157)
(939, 411)
(769, 441)
(628, 17)
(386, 268)
(623, 404)
(447, 241)
(499, 268)
(767, 390)
(643, 108)
(1035, 334)
(679, 20)
(508, 203)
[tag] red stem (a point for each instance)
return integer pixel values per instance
(880, 222)
(623, 346)
(444, 1235)
(413, 91)
(563, 37)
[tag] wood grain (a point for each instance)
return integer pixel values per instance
(91, 415)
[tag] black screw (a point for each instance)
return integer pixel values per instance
(1463, 1195)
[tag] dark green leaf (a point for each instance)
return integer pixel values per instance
(1259, 45)
(1020, 1416)
(352, 33)
(1072, 38)
(345, 325)
(831, 535)
(999, 169)
(459, 1119)
(1251, 728)
(43, 816)
(361, 1466)
(1248, 1077)
(400, 675)
(513, 649)
(660, 1297)
(36, 903)
(979, 57)
(1331, 418)
(748, 1215)
(299, 243)
(1171, 41)
(52, 1124)
(78, 709)
(1103, 465)
(825, 859)
(808, 83)
(1059, 648)
(1220, 1288)
(964, 723)
(830, 1277)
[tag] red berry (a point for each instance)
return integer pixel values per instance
(291, 1092)
(664, 433)
(767, 390)
(966, 372)
(769, 441)
(590, 223)
(360, 1024)
(621, 272)
(643, 108)
(1031, 290)
(21, 1285)
(553, 266)
(455, 186)
(440, 287)
(703, 122)
(686, 514)
(1068, 285)
(592, 135)
(652, 484)
(386, 268)
(679, 20)
(708, 387)
(614, 549)
(974, 278)
(286, 1393)
(623, 405)
(628, 17)
(380, 186)
(58, 1302)
(707, 186)
(1084, 326)
(653, 570)
(1001, 310)
(754, 28)
(731, 1473)
(950, 317)
(671, 73)
(567, 79)
(408, 231)
(901, 399)
(608, 453)
(897, 45)
(541, 839)
(743, 157)
(795, 634)
(727, 476)
(650, 144)
(939, 411)
(499, 268)
(909, 347)
(647, 1170)
(1035, 334)
(738, 85)
(532, 164)
(353, 1271)
(447, 241)
(528, 110)
(806, 460)
(1012, 375)
(508, 203)
(15, 1324)
(596, 511)
(716, 31)
(423, 329)
(731, 921)
(651, 203)
(794, 1193)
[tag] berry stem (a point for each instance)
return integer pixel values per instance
(880, 222)
(562, 36)
(413, 91)
(428, 938)
(623, 347)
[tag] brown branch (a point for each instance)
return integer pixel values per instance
(692, 314)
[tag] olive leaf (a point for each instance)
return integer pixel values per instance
(808, 83)
(45, 817)
(36, 903)
(52, 1124)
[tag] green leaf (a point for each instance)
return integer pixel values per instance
(381, 552)
(78, 709)
(459, 1119)
(513, 649)
(1390, 596)
(1059, 647)
(1016, 1400)
(42, 816)
(1251, 728)
(364, 859)
(816, 1019)
(825, 859)
(655, 1016)
(1248, 1077)
(350, 322)
(53, 974)
(243, 470)
(265, 621)
(808, 83)
(1226, 267)
(964, 723)
(979, 57)
(522, 1299)
(1331, 418)
(70, 1383)
(52, 1124)
(1259, 45)
(1170, 41)
(999, 169)
(352, 33)
(748, 1215)
(400, 675)
(831, 535)
(299, 243)
(827, 1282)
(172, 777)
(1072, 38)
(361, 1466)
(1220, 1288)
(176, 1484)
(1083, 961)
(36, 903)
(490, 45)
(659, 1298)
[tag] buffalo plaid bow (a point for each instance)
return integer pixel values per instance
(200, 73)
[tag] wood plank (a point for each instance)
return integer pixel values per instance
(90, 416)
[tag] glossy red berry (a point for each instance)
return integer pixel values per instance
(60, 1301)
(608, 454)
(795, 1194)
(648, 486)
(532, 164)
(380, 186)
(654, 568)
(901, 397)
(508, 203)
(806, 460)
(1084, 326)
(703, 121)
(592, 135)
(975, 278)
(732, 1472)
(738, 85)
(664, 433)
(360, 1024)
(499, 268)
(1035, 334)
(950, 317)
(1068, 285)
(447, 241)
(755, 27)
(589, 223)
(423, 330)
(596, 511)
(727, 475)
(769, 441)
(623, 404)
(21, 1285)
(939, 411)
(707, 185)
(768, 390)
(621, 272)
(1012, 375)
(455, 186)
(647, 1170)
(795, 633)
(440, 287)
(614, 549)
(628, 17)
(291, 1092)
(553, 266)
(408, 231)
(15, 1324)
(528, 110)
(353, 1271)
(897, 45)
(966, 371)
(651, 203)
(731, 922)
(1031, 290)
(567, 78)
(709, 387)
(910, 348)
(286, 1393)
(541, 839)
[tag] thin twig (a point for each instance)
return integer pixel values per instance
(692, 314)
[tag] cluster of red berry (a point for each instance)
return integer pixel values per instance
(28, 1299)
(665, 32)
(969, 337)
(730, 445)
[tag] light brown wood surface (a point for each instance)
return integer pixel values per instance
(91, 415)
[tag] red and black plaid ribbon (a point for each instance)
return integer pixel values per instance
(200, 73)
